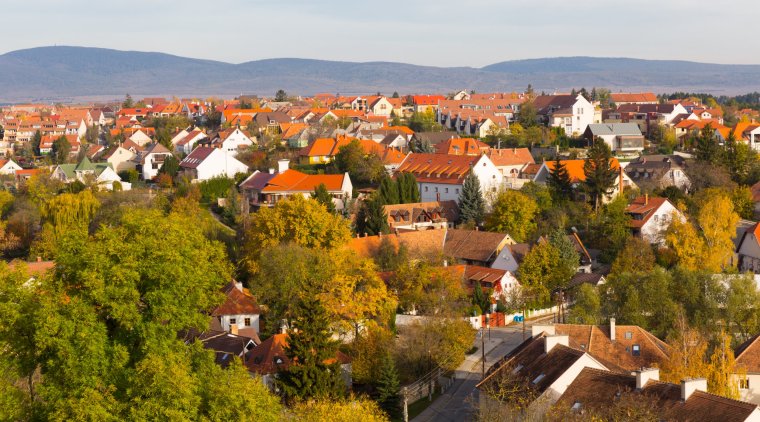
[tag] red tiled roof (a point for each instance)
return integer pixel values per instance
(237, 303)
(196, 157)
(510, 157)
(294, 181)
(640, 97)
(646, 207)
(438, 168)
(575, 168)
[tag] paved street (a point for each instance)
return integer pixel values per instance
(456, 404)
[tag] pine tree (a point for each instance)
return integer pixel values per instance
(61, 150)
(36, 140)
(388, 386)
(170, 166)
(600, 176)
(559, 181)
(408, 191)
(389, 191)
(322, 196)
(128, 102)
(309, 347)
(471, 202)
(371, 218)
(480, 298)
(705, 146)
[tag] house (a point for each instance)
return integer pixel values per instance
(392, 159)
(101, 174)
(441, 176)
(266, 189)
(651, 217)
(395, 140)
(511, 162)
(486, 249)
(646, 115)
(269, 357)
(239, 312)
(8, 166)
(380, 106)
(499, 282)
(659, 171)
(748, 252)
(323, 150)
(186, 144)
(748, 359)
(140, 137)
(205, 163)
(423, 103)
(150, 160)
(540, 369)
(618, 347)
(621, 98)
(595, 391)
(462, 146)
(231, 141)
(422, 215)
(120, 158)
(578, 176)
(571, 113)
(226, 346)
(620, 137)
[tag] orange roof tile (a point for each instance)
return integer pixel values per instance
(575, 168)
(294, 181)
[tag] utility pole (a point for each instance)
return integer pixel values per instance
(483, 351)
(523, 321)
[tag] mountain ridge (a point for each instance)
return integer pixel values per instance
(69, 72)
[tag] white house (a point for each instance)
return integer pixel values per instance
(748, 250)
(120, 158)
(8, 166)
(381, 107)
(747, 359)
(186, 144)
(150, 161)
(205, 163)
(140, 138)
(499, 282)
(441, 176)
(571, 113)
(578, 176)
(232, 142)
(239, 311)
(87, 172)
(620, 137)
(651, 217)
(511, 162)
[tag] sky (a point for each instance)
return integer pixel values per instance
(471, 33)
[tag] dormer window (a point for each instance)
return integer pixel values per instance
(538, 379)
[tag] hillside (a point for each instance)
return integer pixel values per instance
(65, 73)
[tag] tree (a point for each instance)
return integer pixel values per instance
(36, 140)
(741, 198)
(611, 228)
(528, 115)
(739, 159)
(636, 257)
(689, 248)
(723, 370)
(480, 299)
(371, 218)
(541, 272)
(322, 195)
(280, 96)
(389, 256)
(705, 147)
(587, 306)
(559, 181)
(61, 150)
(309, 349)
(387, 387)
(388, 191)
(348, 410)
(569, 259)
(170, 166)
(717, 221)
(601, 178)
(128, 102)
(429, 290)
(513, 213)
(362, 167)
(471, 202)
(409, 190)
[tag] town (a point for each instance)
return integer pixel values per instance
(440, 256)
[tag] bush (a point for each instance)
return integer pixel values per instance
(213, 189)
(131, 175)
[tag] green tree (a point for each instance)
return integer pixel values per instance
(569, 259)
(61, 150)
(741, 197)
(389, 191)
(528, 115)
(559, 181)
(36, 140)
(471, 202)
(513, 213)
(706, 148)
(540, 272)
(128, 102)
(611, 228)
(371, 218)
(387, 387)
(601, 178)
(281, 96)
(480, 298)
(389, 256)
(322, 195)
(635, 257)
(587, 307)
(362, 167)
(409, 190)
(309, 349)
(170, 166)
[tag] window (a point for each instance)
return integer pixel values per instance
(636, 351)
(577, 406)
(426, 188)
(744, 384)
(233, 321)
(436, 189)
(247, 322)
(447, 190)
(457, 191)
(628, 335)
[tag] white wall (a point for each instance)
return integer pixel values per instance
(654, 230)
(240, 321)
(218, 163)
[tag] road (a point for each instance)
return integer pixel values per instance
(456, 404)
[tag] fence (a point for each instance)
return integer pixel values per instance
(498, 319)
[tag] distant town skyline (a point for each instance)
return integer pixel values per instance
(442, 33)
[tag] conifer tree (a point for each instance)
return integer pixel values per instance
(559, 181)
(480, 298)
(409, 192)
(600, 176)
(388, 387)
(322, 196)
(309, 348)
(471, 202)
(389, 191)
(371, 218)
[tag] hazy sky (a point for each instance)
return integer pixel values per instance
(427, 32)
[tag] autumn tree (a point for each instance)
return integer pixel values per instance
(322, 195)
(541, 272)
(429, 290)
(636, 257)
(471, 202)
(61, 150)
(601, 177)
(363, 167)
(686, 243)
(717, 221)
(513, 213)
(313, 372)
(351, 409)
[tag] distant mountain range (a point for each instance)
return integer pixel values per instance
(76, 73)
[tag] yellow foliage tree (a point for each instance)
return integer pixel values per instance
(724, 375)
(686, 243)
(717, 220)
(687, 356)
(350, 410)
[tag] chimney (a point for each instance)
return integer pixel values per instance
(621, 180)
(538, 329)
(283, 165)
(612, 329)
(234, 329)
(551, 341)
(690, 385)
(445, 263)
(271, 170)
(645, 375)
(239, 285)
(39, 259)
(646, 199)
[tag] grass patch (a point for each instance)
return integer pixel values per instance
(420, 405)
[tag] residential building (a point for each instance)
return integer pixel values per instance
(205, 163)
(499, 282)
(186, 144)
(422, 215)
(232, 141)
(8, 166)
(120, 158)
(659, 171)
(266, 189)
(511, 162)
(621, 98)
(462, 146)
(239, 312)
(149, 161)
(571, 113)
(441, 176)
(87, 172)
(748, 360)
(620, 137)
(748, 252)
(486, 249)
(578, 176)
(651, 218)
